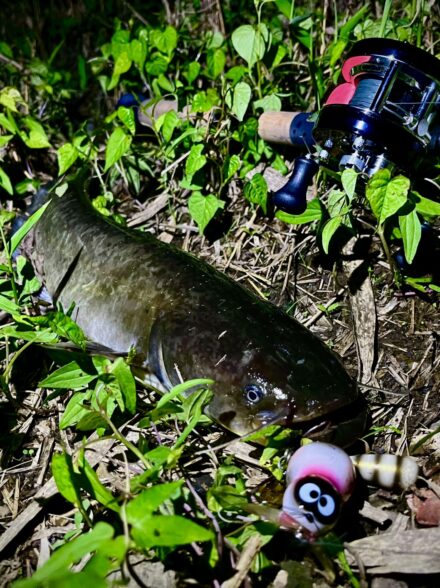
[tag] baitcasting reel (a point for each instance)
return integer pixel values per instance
(385, 114)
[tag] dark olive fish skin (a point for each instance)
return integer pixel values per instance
(186, 319)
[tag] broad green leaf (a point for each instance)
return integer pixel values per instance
(63, 325)
(69, 376)
(165, 41)
(270, 103)
(10, 97)
(66, 479)
(426, 206)
(167, 123)
(168, 531)
(37, 138)
(66, 556)
(9, 306)
(203, 101)
(251, 42)
(17, 237)
(4, 140)
(95, 486)
(329, 230)
(203, 208)
(192, 72)
(240, 100)
(336, 202)
(286, 7)
(411, 230)
(8, 123)
(256, 191)
(349, 179)
(126, 382)
(67, 155)
(216, 62)
(138, 52)
(75, 409)
(117, 145)
(312, 213)
(126, 116)
(158, 64)
(5, 182)
(195, 160)
(231, 167)
(144, 504)
(385, 195)
(122, 65)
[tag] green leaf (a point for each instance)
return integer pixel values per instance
(165, 41)
(8, 123)
(203, 208)
(67, 154)
(251, 42)
(94, 485)
(241, 98)
(312, 213)
(231, 167)
(349, 178)
(65, 478)
(44, 336)
(5, 182)
(329, 230)
(17, 237)
(138, 52)
(4, 140)
(117, 145)
(75, 409)
(168, 531)
(256, 191)
(270, 103)
(127, 117)
(167, 123)
(122, 65)
(10, 97)
(195, 160)
(426, 206)
(192, 72)
(385, 195)
(126, 382)
(64, 557)
(140, 509)
(411, 230)
(216, 62)
(69, 376)
(184, 388)
(158, 64)
(37, 138)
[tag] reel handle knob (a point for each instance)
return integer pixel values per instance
(291, 198)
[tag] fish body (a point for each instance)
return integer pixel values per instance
(185, 319)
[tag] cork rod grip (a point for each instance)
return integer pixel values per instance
(274, 127)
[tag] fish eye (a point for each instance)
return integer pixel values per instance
(253, 393)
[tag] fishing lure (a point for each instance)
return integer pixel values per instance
(321, 478)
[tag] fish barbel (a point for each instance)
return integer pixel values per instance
(185, 319)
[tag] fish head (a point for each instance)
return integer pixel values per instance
(277, 386)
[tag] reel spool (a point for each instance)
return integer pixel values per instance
(385, 114)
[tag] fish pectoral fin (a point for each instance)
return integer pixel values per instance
(90, 347)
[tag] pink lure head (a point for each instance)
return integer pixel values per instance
(320, 477)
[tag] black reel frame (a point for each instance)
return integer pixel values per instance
(384, 115)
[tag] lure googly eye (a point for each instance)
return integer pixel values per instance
(320, 479)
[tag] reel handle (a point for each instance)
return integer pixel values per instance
(292, 197)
